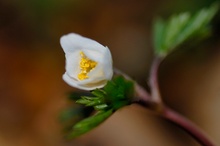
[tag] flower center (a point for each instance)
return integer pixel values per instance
(86, 65)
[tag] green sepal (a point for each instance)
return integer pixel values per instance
(98, 93)
(101, 107)
(89, 123)
(119, 89)
(90, 101)
(94, 103)
(119, 104)
(115, 94)
(83, 101)
(90, 98)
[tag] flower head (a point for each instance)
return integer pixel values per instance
(88, 63)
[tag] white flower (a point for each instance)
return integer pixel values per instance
(88, 63)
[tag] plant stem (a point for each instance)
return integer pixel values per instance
(181, 122)
(187, 125)
(156, 101)
(157, 105)
(141, 92)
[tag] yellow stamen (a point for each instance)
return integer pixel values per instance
(86, 65)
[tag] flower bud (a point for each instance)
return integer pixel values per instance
(88, 63)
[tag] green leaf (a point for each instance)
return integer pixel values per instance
(90, 101)
(94, 103)
(181, 28)
(83, 101)
(119, 89)
(116, 94)
(120, 104)
(158, 34)
(101, 107)
(89, 98)
(129, 89)
(174, 26)
(99, 93)
(89, 123)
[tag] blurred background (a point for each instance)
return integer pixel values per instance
(32, 92)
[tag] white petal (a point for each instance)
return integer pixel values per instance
(72, 42)
(68, 42)
(88, 87)
(72, 45)
(107, 64)
(72, 64)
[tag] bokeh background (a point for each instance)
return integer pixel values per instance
(32, 92)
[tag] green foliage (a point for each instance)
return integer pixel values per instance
(168, 35)
(77, 95)
(116, 94)
(73, 114)
(88, 123)
(119, 89)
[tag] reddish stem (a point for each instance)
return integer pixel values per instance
(147, 100)
(155, 91)
(187, 125)
(166, 112)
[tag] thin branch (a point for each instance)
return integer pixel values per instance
(155, 91)
(141, 95)
(158, 106)
(187, 125)
(154, 99)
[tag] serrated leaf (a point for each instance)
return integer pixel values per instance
(119, 89)
(119, 80)
(120, 104)
(83, 101)
(158, 34)
(180, 28)
(93, 120)
(94, 103)
(114, 92)
(101, 107)
(99, 93)
(90, 98)
(129, 89)
(125, 87)
(174, 26)
(90, 101)
(89, 123)
(113, 96)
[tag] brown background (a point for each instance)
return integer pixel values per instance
(32, 92)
